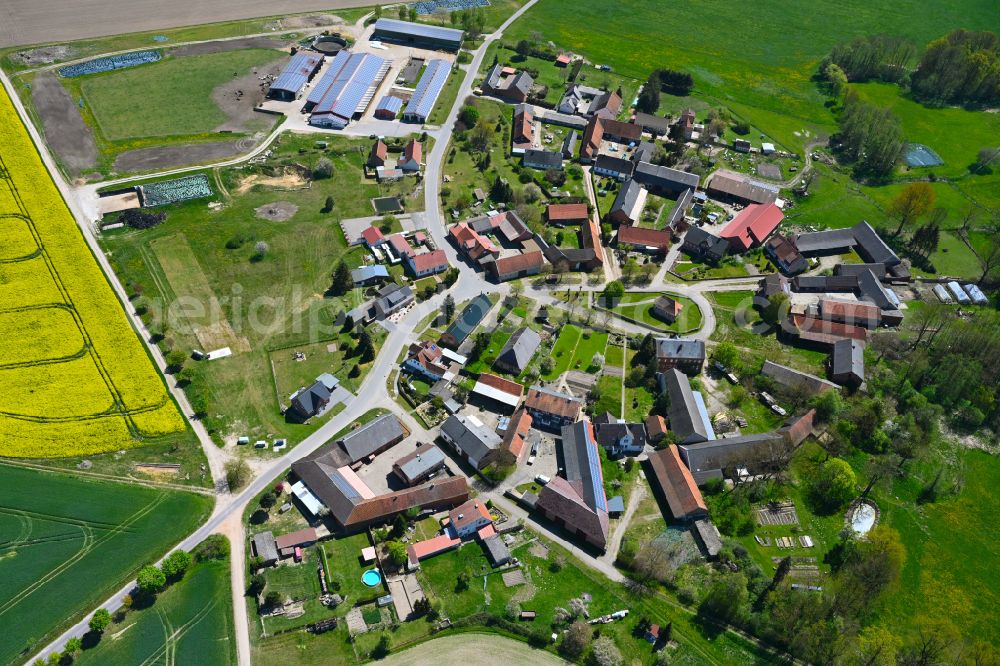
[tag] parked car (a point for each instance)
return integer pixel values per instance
(542, 479)
(531, 460)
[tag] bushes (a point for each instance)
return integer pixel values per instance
(137, 218)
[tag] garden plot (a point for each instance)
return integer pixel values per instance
(777, 514)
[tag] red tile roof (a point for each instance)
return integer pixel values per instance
(590, 237)
(429, 261)
(472, 242)
(486, 532)
(826, 332)
(677, 484)
(797, 429)
(753, 225)
(470, 512)
(644, 237)
(568, 212)
(656, 427)
(373, 236)
(424, 549)
(401, 245)
(515, 439)
(306, 535)
(412, 151)
(522, 127)
(553, 404)
(592, 137)
(518, 262)
(501, 384)
(849, 312)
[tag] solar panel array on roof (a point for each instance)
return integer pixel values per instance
(349, 90)
(427, 90)
(390, 103)
(344, 486)
(328, 78)
(297, 72)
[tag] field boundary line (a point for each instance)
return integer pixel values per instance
(13, 462)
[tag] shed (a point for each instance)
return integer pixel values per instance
(264, 547)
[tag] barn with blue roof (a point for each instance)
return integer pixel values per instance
(417, 35)
(388, 107)
(427, 91)
(297, 73)
(346, 89)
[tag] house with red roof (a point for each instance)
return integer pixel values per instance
(428, 263)
(467, 519)
(400, 246)
(516, 266)
(645, 240)
(568, 213)
(476, 246)
(523, 125)
(752, 226)
(676, 484)
(372, 236)
(378, 155)
(409, 162)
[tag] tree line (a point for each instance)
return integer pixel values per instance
(670, 81)
(869, 137)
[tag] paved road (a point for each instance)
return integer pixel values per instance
(373, 389)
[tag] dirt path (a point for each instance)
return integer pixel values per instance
(232, 529)
(66, 132)
(481, 649)
(638, 493)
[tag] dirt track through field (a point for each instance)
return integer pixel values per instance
(31, 22)
(65, 131)
(480, 649)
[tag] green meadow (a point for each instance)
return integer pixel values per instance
(66, 543)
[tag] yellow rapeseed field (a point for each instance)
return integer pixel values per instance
(74, 376)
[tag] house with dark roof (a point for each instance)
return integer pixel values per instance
(847, 363)
(704, 246)
(613, 167)
(518, 352)
(678, 490)
(467, 321)
(371, 439)
(424, 359)
(771, 285)
(513, 87)
(795, 381)
(392, 298)
(606, 105)
(737, 188)
(542, 159)
(552, 409)
(569, 144)
(516, 266)
(687, 423)
(417, 467)
(653, 241)
(600, 129)
(619, 438)
(576, 500)
(496, 551)
(655, 125)
(752, 226)
(665, 181)
(666, 309)
(685, 354)
(721, 457)
(629, 203)
(264, 547)
(470, 438)
(861, 237)
(313, 399)
(576, 213)
(785, 255)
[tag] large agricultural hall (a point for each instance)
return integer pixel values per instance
(417, 35)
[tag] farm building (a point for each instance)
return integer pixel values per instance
(264, 547)
(524, 122)
(542, 159)
(664, 180)
(752, 226)
(420, 465)
(685, 354)
(577, 499)
(346, 89)
(516, 266)
(427, 91)
(371, 439)
(796, 381)
(613, 167)
(567, 213)
(417, 35)
(688, 419)
(507, 84)
(704, 246)
(518, 352)
(721, 457)
(653, 241)
(388, 107)
(655, 125)
(515, 437)
(847, 362)
(550, 408)
(310, 401)
(476, 443)
(785, 255)
(501, 394)
(367, 275)
(732, 186)
(861, 237)
(676, 485)
(297, 73)
(629, 203)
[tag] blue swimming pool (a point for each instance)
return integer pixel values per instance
(371, 578)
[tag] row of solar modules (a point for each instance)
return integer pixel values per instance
(175, 190)
(346, 88)
(427, 91)
(297, 72)
(109, 63)
(957, 292)
(430, 6)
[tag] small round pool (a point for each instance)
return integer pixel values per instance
(863, 517)
(371, 578)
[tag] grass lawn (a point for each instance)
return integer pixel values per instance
(639, 306)
(483, 364)
(446, 99)
(614, 355)
(591, 342)
(254, 307)
(610, 388)
(69, 542)
(196, 615)
(167, 98)
(732, 328)
(638, 403)
(767, 82)
(562, 352)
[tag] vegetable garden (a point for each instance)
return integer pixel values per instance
(94, 391)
